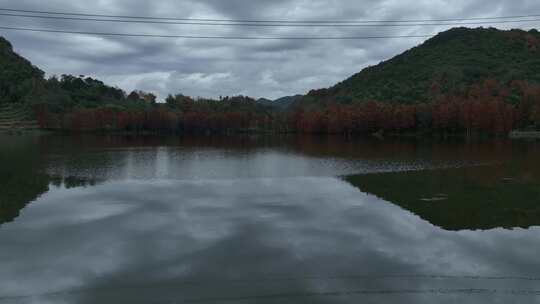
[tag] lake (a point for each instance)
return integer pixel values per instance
(113, 219)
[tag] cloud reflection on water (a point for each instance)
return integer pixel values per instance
(242, 230)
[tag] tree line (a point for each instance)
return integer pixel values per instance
(462, 81)
(486, 108)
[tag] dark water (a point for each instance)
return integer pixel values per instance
(257, 220)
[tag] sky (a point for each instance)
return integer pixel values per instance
(213, 68)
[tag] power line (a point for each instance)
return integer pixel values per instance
(266, 21)
(269, 24)
(212, 37)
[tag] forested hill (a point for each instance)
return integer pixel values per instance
(463, 81)
(17, 75)
(448, 63)
(21, 82)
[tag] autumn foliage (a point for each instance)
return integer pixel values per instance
(486, 108)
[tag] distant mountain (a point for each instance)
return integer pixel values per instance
(282, 103)
(265, 102)
(18, 77)
(448, 63)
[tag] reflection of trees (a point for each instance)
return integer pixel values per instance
(70, 182)
(21, 179)
(477, 198)
(465, 198)
(16, 191)
(316, 146)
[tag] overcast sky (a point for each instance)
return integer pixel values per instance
(210, 68)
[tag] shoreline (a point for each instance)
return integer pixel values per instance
(514, 135)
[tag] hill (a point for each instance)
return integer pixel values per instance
(282, 103)
(448, 63)
(23, 83)
(469, 82)
(18, 77)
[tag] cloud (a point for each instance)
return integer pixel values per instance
(211, 68)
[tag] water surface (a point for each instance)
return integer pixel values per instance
(105, 219)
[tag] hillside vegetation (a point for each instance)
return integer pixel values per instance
(472, 82)
(448, 63)
(18, 77)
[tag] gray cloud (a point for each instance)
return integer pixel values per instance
(211, 68)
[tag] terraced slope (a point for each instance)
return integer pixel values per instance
(16, 117)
